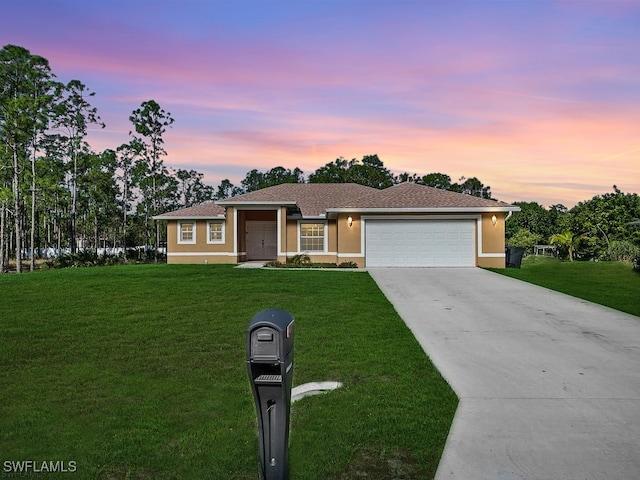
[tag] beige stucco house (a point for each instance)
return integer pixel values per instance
(404, 225)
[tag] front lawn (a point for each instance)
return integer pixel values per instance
(613, 284)
(139, 372)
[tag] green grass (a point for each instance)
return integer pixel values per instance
(613, 284)
(138, 372)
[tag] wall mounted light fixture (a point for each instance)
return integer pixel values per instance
(494, 220)
(349, 221)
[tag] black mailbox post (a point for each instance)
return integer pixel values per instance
(270, 367)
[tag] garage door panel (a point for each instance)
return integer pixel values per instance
(420, 243)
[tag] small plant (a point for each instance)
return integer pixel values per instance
(348, 265)
(301, 260)
(567, 243)
(275, 264)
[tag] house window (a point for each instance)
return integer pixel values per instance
(215, 232)
(312, 237)
(186, 232)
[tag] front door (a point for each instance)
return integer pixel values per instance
(262, 240)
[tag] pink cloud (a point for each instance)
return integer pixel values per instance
(540, 108)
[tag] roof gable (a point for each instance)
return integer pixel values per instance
(409, 195)
(313, 199)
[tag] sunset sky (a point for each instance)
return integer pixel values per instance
(538, 99)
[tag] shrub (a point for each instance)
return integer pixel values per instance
(301, 260)
(84, 258)
(568, 243)
(524, 238)
(275, 264)
(348, 265)
(622, 250)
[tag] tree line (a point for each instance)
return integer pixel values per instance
(598, 229)
(58, 195)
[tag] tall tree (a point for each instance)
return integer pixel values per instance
(604, 219)
(279, 175)
(44, 90)
(3, 216)
(126, 155)
(99, 194)
(73, 114)
(53, 195)
(150, 122)
(226, 189)
(333, 172)
(5, 195)
(472, 186)
(370, 171)
(192, 189)
(437, 180)
(24, 92)
(256, 180)
(532, 217)
(408, 177)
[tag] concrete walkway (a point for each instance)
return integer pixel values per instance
(549, 385)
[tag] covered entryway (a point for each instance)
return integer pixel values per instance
(262, 240)
(420, 243)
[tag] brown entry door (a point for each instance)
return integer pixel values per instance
(262, 241)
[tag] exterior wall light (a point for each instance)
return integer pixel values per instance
(349, 221)
(494, 220)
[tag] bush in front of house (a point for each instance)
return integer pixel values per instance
(303, 261)
(348, 265)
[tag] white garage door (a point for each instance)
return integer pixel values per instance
(420, 243)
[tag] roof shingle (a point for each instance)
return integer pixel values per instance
(413, 195)
(316, 199)
(313, 199)
(203, 210)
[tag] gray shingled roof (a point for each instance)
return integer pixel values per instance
(313, 199)
(415, 196)
(317, 199)
(204, 210)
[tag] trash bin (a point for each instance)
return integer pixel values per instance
(514, 256)
(270, 368)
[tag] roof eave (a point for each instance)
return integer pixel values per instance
(248, 203)
(507, 208)
(187, 217)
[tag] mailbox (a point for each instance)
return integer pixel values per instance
(270, 368)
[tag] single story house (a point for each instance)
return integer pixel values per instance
(403, 225)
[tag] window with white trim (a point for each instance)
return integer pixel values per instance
(312, 237)
(215, 232)
(186, 232)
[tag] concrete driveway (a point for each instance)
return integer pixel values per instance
(549, 385)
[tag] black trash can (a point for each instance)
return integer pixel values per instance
(514, 257)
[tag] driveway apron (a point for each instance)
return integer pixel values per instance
(549, 385)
